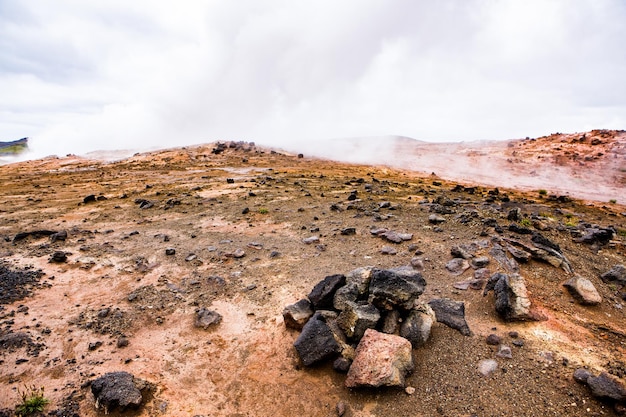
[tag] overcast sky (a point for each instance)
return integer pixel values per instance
(81, 75)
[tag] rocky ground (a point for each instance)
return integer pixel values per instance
(119, 266)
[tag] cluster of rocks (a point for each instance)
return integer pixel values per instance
(603, 386)
(367, 322)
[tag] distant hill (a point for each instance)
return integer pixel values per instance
(15, 147)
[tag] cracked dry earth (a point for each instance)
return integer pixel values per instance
(119, 286)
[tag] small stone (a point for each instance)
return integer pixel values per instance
(487, 366)
(493, 339)
(296, 315)
(122, 342)
(342, 364)
(607, 386)
(409, 390)
(388, 250)
(117, 390)
(518, 343)
(451, 313)
(340, 408)
(480, 262)
(170, 251)
(239, 253)
(436, 219)
(583, 291)
(513, 334)
(457, 266)
(58, 257)
(348, 231)
(311, 239)
(581, 375)
(504, 352)
(206, 318)
(94, 345)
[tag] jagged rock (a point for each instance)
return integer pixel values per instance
(316, 342)
(583, 291)
(416, 327)
(394, 237)
(475, 284)
(206, 318)
(58, 257)
(324, 291)
(348, 231)
(513, 227)
(597, 235)
(504, 352)
(607, 387)
(451, 313)
(512, 302)
(343, 295)
(457, 266)
(34, 233)
(391, 322)
(493, 339)
(461, 251)
(62, 236)
(361, 277)
(355, 319)
(296, 315)
(581, 375)
(397, 287)
(118, 390)
(617, 273)
(514, 215)
(497, 252)
(519, 254)
(541, 240)
(381, 360)
(89, 199)
(480, 262)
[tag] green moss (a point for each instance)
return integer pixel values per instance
(263, 210)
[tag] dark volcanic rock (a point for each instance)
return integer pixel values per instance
(316, 342)
(581, 375)
(89, 199)
(62, 236)
(512, 302)
(540, 239)
(355, 319)
(617, 273)
(16, 284)
(117, 390)
(451, 313)
(381, 360)
(607, 386)
(296, 315)
(206, 318)
(58, 257)
(323, 293)
(397, 287)
(34, 233)
(347, 293)
(416, 327)
(599, 235)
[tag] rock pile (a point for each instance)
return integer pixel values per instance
(367, 322)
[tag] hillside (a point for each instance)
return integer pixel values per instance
(130, 251)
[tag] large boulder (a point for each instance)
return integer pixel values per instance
(416, 327)
(316, 342)
(118, 390)
(324, 291)
(451, 313)
(583, 291)
(356, 318)
(397, 287)
(615, 274)
(607, 386)
(381, 360)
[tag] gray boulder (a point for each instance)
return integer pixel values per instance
(381, 360)
(583, 291)
(296, 315)
(451, 313)
(397, 287)
(316, 342)
(615, 274)
(607, 386)
(416, 327)
(118, 390)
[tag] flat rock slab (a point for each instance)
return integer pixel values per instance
(451, 313)
(381, 360)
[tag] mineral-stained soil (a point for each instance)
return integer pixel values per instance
(237, 218)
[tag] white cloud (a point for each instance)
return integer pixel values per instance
(79, 76)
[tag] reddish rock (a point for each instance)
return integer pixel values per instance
(381, 360)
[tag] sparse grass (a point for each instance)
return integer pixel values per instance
(621, 232)
(613, 201)
(543, 192)
(526, 223)
(33, 401)
(263, 210)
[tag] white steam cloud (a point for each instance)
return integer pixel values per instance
(80, 76)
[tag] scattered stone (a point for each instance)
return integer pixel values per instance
(518, 343)
(606, 386)
(316, 342)
(381, 360)
(581, 375)
(416, 327)
(436, 219)
(460, 251)
(417, 263)
(340, 408)
(451, 313)
(35, 234)
(504, 352)
(342, 364)
(617, 273)
(89, 199)
(62, 236)
(493, 339)
(487, 366)
(396, 237)
(388, 250)
(514, 215)
(94, 345)
(348, 231)
(59, 257)
(480, 262)
(457, 266)
(144, 204)
(122, 342)
(323, 293)
(583, 291)
(296, 315)
(519, 254)
(409, 390)
(118, 390)
(206, 318)
(170, 251)
(596, 235)
(397, 287)
(238, 253)
(311, 239)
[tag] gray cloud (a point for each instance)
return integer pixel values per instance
(79, 76)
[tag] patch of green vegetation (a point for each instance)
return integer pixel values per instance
(613, 201)
(33, 401)
(263, 210)
(572, 222)
(621, 232)
(543, 192)
(525, 223)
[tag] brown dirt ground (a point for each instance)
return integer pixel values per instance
(247, 366)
